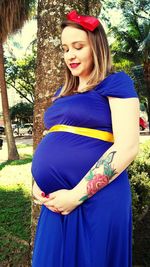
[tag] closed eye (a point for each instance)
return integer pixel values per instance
(65, 51)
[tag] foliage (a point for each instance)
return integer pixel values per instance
(132, 37)
(139, 174)
(21, 112)
(124, 64)
(131, 42)
(13, 15)
(20, 74)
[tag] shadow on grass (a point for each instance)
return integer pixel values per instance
(15, 227)
(26, 158)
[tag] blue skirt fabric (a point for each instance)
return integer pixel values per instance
(97, 233)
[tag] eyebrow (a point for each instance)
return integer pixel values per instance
(75, 42)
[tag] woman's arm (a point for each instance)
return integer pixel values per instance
(125, 123)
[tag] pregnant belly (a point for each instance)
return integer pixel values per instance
(62, 159)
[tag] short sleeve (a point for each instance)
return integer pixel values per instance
(119, 85)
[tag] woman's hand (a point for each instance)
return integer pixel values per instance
(40, 196)
(65, 201)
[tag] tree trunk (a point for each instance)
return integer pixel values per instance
(12, 149)
(49, 71)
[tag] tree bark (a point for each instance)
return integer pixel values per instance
(12, 149)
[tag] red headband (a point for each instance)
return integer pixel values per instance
(87, 22)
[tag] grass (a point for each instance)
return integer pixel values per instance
(15, 202)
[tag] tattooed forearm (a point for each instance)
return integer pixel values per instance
(98, 181)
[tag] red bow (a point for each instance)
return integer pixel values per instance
(87, 22)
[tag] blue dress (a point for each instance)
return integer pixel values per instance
(98, 233)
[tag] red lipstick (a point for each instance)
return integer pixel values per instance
(74, 65)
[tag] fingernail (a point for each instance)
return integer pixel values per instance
(47, 196)
(43, 194)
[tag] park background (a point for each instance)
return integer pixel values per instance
(33, 53)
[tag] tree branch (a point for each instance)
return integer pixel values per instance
(20, 93)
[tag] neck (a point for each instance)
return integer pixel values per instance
(81, 85)
(82, 81)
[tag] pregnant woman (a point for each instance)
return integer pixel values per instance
(79, 167)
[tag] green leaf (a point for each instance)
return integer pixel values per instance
(83, 198)
(90, 176)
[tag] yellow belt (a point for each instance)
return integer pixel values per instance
(102, 135)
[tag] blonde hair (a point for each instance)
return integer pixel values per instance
(101, 57)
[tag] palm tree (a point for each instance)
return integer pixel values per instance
(133, 39)
(13, 14)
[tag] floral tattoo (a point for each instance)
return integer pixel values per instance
(98, 181)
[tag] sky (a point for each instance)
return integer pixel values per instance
(23, 38)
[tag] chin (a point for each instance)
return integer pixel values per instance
(75, 73)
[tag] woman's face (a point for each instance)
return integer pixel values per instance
(78, 54)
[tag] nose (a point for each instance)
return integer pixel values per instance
(70, 55)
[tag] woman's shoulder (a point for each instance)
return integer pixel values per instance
(116, 77)
(117, 84)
